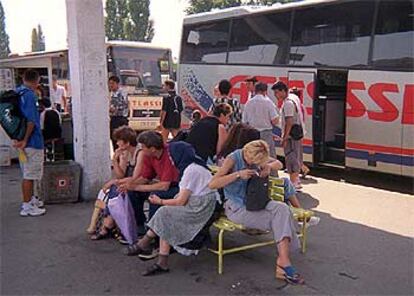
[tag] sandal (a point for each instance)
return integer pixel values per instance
(133, 250)
(100, 235)
(289, 274)
(119, 237)
(154, 270)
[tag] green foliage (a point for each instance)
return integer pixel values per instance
(128, 20)
(35, 45)
(4, 38)
(38, 39)
(41, 38)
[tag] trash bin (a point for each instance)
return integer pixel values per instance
(60, 182)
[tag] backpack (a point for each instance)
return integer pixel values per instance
(11, 118)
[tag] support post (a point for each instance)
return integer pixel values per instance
(88, 78)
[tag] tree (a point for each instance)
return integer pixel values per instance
(35, 40)
(128, 20)
(139, 28)
(117, 14)
(4, 38)
(41, 38)
(197, 6)
(38, 39)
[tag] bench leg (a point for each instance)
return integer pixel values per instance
(220, 251)
(304, 236)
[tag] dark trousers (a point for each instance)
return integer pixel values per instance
(170, 193)
(116, 121)
(137, 200)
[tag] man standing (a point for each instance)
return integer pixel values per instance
(31, 145)
(251, 83)
(261, 113)
(291, 147)
(224, 87)
(172, 106)
(119, 107)
(58, 95)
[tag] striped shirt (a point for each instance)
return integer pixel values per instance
(236, 116)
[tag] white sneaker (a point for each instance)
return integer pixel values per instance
(30, 210)
(312, 222)
(35, 201)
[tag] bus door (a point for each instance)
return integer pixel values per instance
(329, 118)
(304, 82)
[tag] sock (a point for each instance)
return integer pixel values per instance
(145, 242)
(163, 261)
(25, 205)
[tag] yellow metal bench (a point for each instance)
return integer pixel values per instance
(276, 192)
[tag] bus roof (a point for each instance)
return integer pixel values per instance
(135, 44)
(247, 10)
(56, 53)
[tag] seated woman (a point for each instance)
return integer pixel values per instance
(180, 219)
(276, 217)
(124, 162)
(239, 135)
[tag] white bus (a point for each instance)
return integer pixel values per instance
(351, 60)
(142, 68)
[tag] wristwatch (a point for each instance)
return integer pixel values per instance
(238, 176)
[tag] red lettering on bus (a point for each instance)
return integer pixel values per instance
(408, 105)
(389, 111)
(357, 109)
(240, 89)
(310, 89)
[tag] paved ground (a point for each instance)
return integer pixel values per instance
(363, 245)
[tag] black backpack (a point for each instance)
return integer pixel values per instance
(11, 118)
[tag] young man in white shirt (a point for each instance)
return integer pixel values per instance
(289, 116)
(261, 113)
(58, 95)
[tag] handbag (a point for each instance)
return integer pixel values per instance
(296, 132)
(257, 193)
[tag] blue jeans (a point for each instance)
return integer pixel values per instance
(169, 194)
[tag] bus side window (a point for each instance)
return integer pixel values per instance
(206, 43)
(393, 41)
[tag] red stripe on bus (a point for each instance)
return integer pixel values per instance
(307, 142)
(378, 148)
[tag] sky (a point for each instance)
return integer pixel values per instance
(23, 15)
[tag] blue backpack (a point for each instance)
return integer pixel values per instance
(11, 118)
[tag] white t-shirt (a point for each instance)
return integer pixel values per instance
(196, 179)
(56, 95)
(300, 108)
(289, 109)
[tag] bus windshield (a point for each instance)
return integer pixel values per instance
(148, 64)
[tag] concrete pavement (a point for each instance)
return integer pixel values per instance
(363, 245)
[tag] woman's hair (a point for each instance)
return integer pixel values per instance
(151, 139)
(257, 152)
(126, 134)
(239, 135)
(223, 108)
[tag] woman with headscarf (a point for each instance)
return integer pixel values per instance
(179, 220)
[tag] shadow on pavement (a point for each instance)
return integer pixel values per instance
(53, 255)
